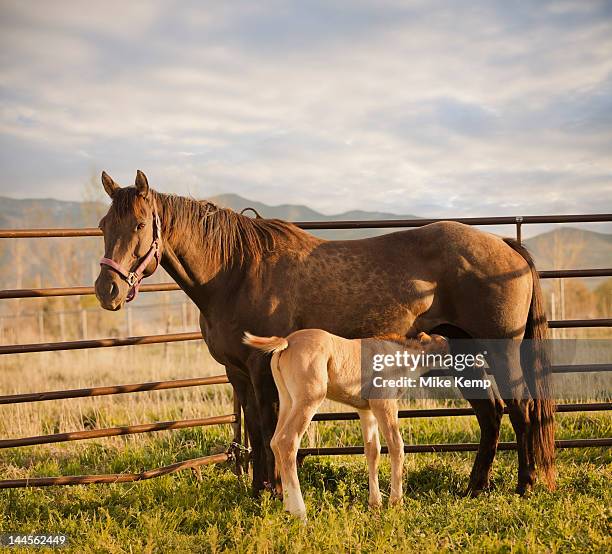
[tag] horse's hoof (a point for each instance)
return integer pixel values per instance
(525, 486)
(256, 491)
(377, 505)
(473, 491)
(523, 490)
(276, 492)
(396, 502)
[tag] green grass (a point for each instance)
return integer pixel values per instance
(179, 513)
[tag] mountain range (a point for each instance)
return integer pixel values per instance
(562, 247)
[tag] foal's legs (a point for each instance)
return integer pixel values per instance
(385, 412)
(371, 445)
(287, 443)
(284, 409)
(301, 392)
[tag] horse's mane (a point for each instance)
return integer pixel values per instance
(399, 339)
(225, 237)
(429, 345)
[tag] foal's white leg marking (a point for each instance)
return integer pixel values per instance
(386, 414)
(371, 443)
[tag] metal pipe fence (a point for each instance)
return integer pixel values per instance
(234, 451)
(165, 287)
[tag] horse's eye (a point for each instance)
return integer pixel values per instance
(140, 226)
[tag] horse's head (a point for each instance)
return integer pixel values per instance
(434, 343)
(132, 242)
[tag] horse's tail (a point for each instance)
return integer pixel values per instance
(536, 367)
(265, 344)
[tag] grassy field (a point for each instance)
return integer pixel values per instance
(179, 513)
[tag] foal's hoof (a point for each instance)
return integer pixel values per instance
(300, 516)
(396, 502)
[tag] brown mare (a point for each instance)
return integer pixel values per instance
(272, 278)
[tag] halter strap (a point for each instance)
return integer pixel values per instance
(134, 278)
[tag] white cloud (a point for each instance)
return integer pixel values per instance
(409, 107)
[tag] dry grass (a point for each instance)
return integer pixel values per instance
(79, 369)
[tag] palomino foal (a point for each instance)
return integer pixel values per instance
(311, 365)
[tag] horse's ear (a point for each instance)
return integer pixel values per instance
(142, 185)
(109, 185)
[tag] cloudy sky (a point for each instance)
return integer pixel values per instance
(435, 108)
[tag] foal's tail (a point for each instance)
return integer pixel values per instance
(537, 370)
(268, 345)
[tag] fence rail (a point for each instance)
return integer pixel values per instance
(115, 389)
(163, 287)
(195, 335)
(235, 419)
(450, 447)
(118, 431)
(353, 224)
(193, 464)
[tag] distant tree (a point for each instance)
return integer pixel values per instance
(95, 201)
(603, 298)
(564, 256)
(579, 300)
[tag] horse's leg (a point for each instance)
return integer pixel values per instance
(371, 445)
(515, 392)
(284, 409)
(489, 412)
(489, 415)
(239, 379)
(267, 402)
(519, 416)
(287, 443)
(385, 412)
(305, 382)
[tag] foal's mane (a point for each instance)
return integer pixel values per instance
(223, 236)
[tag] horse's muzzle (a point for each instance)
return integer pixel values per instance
(110, 290)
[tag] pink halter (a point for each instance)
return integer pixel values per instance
(134, 278)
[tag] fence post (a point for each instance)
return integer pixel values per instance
(519, 223)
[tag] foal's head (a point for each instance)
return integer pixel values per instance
(129, 230)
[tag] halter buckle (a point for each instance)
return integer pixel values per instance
(132, 279)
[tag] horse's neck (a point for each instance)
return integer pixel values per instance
(182, 259)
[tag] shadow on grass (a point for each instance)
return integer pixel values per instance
(350, 479)
(435, 479)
